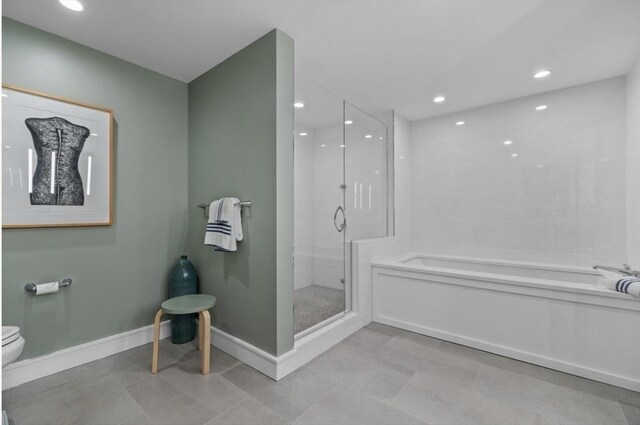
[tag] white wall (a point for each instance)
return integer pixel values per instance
(561, 200)
(403, 187)
(633, 166)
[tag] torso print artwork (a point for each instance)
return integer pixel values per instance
(58, 144)
(56, 161)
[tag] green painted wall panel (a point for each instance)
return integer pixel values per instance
(119, 272)
(284, 197)
(239, 145)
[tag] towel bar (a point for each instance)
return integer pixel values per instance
(205, 206)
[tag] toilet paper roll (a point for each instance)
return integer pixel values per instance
(46, 288)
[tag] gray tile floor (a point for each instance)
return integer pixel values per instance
(314, 304)
(379, 375)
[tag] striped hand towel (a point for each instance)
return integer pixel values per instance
(626, 284)
(224, 227)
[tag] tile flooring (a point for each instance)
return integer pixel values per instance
(379, 375)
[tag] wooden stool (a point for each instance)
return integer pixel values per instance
(187, 304)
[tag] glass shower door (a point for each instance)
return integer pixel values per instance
(340, 195)
(319, 210)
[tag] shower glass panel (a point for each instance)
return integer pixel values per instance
(319, 250)
(366, 205)
(365, 175)
(340, 195)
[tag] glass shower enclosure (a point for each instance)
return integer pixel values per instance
(340, 195)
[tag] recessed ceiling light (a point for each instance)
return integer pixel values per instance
(5, 95)
(439, 99)
(74, 5)
(342, 146)
(514, 155)
(460, 123)
(94, 134)
(541, 107)
(368, 136)
(401, 157)
(303, 134)
(298, 105)
(507, 142)
(380, 137)
(542, 73)
(540, 165)
(323, 146)
(7, 147)
(348, 122)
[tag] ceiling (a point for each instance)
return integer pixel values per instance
(379, 55)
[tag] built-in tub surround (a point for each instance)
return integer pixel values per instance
(522, 184)
(569, 275)
(551, 315)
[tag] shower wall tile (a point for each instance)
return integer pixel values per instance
(560, 200)
(303, 209)
(402, 180)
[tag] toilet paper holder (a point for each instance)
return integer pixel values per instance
(31, 287)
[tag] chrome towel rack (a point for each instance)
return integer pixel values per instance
(205, 206)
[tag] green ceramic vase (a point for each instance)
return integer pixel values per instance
(183, 280)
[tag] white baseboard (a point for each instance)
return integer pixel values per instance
(304, 350)
(245, 352)
(276, 368)
(562, 366)
(307, 348)
(39, 367)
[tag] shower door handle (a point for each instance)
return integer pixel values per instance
(340, 227)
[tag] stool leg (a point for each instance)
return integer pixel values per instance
(156, 342)
(206, 341)
(200, 331)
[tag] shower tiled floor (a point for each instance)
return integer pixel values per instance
(314, 304)
(379, 375)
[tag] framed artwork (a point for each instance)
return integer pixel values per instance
(56, 161)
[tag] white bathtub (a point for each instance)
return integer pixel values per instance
(554, 316)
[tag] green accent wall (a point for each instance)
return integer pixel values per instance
(228, 133)
(119, 272)
(241, 144)
(284, 191)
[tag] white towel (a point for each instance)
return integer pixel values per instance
(224, 227)
(625, 284)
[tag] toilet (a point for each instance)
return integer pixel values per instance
(12, 344)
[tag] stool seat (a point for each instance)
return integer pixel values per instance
(187, 304)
